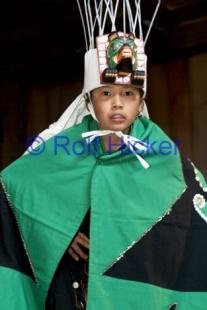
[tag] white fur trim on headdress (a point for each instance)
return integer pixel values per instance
(91, 71)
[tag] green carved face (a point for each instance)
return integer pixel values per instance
(115, 47)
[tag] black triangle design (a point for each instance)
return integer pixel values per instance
(173, 254)
(12, 252)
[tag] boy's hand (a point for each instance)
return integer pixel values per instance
(75, 250)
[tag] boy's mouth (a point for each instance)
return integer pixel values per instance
(118, 117)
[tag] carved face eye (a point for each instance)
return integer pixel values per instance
(130, 43)
(114, 47)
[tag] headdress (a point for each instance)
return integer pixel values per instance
(116, 57)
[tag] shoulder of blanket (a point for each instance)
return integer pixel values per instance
(161, 149)
(49, 154)
(155, 131)
(79, 128)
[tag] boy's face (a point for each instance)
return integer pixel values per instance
(116, 106)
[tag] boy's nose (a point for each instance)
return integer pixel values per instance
(117, 102)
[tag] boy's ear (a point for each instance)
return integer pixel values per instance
(141, 92)
(141, 106)
(87, 99)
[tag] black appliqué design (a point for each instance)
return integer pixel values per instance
(12, 252)
(173, 307)
(173, 254)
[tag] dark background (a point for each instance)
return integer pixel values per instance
(41, 70)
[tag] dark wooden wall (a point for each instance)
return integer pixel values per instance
(177, 100)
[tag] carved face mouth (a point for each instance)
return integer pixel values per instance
(125, 52)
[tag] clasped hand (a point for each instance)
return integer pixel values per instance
(75, 250)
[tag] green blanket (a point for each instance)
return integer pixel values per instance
(50, 193)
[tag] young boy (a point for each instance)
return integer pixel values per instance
(117, 172)
(143, 239)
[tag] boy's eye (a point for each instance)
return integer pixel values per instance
(105, 93)
(128, 93)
